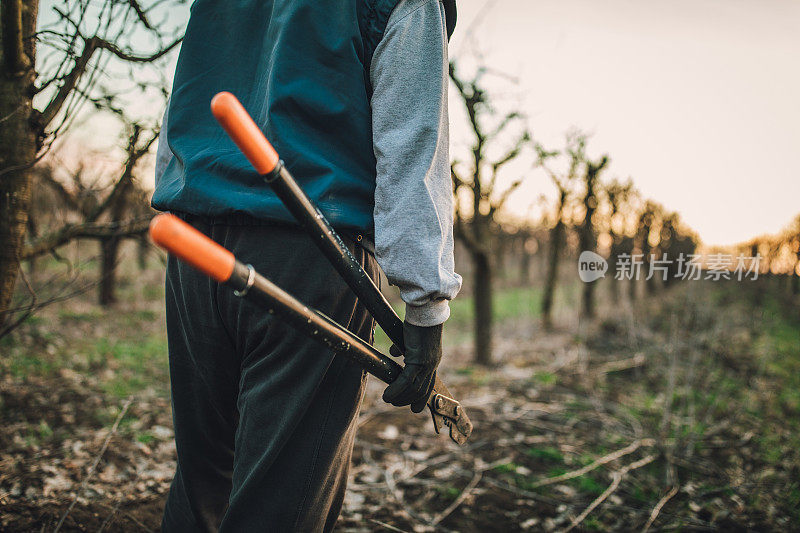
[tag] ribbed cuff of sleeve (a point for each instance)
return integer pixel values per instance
(432, 313)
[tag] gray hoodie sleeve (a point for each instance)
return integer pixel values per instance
(413, 196)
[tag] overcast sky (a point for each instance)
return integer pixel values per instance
(696, 100)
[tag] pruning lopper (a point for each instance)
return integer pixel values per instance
(190, 245)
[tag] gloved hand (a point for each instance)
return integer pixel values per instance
(423, 352)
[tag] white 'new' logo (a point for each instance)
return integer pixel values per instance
(591, 266)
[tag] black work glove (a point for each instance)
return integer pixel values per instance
(423, 352)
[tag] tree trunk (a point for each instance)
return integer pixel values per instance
(587, 301)
(524, 267)
(142, 250)
(587, 243)
(649, 288)
(18, 138)
(483, 308)
(613, 284)
(109, 252)
(556, 236)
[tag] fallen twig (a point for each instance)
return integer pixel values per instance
(397, 495)
(657, 509)
(387, 526)
(522, 493)
(617, 478)
(96, 462)
(461, 497)
(599, 462)
(624, 364)
(110, 518)
(127, 515)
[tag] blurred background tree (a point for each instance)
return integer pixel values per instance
(485, 197)
(61, 64)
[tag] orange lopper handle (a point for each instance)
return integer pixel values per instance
(234, 119)
(182, 240)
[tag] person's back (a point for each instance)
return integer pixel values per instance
(352, 93)
(299, 67)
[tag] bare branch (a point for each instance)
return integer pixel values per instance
(84, 230)
(498, 204)
(67, 197)
(457, 181)
(140, 13)
(132, 58)
(27, 311)
(514, 152)
(70, 82)
(504, 123)
(135, 153)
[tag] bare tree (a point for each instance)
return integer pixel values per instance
(619, 196)
(78, 46)
(99, 214)
(587, 231)
(565, 183)
(648, 218)
(486, 198)
(675, 240)
(19, 142)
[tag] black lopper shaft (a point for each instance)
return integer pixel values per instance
(253, 286)
(335, 250)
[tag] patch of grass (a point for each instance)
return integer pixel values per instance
(480, 379)
(507, 468)
(780, 352)
(124, 386)
(546, 454)
(69, 315)
(511, 303)
(508, 304)
(593, 524)
(793, 500)
(25, 363)
(153, 292)
(588, 485)
(643, 495)
(772, 448)
(38, 434)
(545, 378)
(145, 438)
(144, 315)
(133, 365)
(448, 492)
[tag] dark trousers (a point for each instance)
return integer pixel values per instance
(264, 418)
